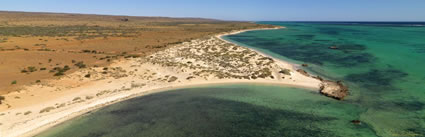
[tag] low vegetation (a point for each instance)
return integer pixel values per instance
(172, 79)
(2, 40)
(60, 71)
(285, 71)
(89, 97)
(47, 109)
(92, 39)
(2, 98)
(29, 69)
(79, 32)
(214, 57)
(27, 113)
(80, 65)
(76, 99)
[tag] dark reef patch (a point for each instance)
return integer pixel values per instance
(377, 80)
(268, 43)
(330, 32)
(322, 40)
(351, 47)
(348, 54)
(305, 36)
(356, 59)
(416, 132)
(333, 30)
(411, 106)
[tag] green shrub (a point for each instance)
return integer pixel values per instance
(80, 65)
(48, 109)
(28, 112)
(76, 98)
(2, 98)
(172, 79)
(66, 68)
(14, 82)
(59, 73)
(24, 71)
(285, 71)
(86, 51)
(32, 69)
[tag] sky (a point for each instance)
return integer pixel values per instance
(243, 10)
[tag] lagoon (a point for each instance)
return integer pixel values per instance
(382, 63)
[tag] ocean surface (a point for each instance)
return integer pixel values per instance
(383, 63)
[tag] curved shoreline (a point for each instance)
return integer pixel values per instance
(71, 112)
(57, 122)
(329, 88)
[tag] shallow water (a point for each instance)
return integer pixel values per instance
(383, 65)
(220, 111)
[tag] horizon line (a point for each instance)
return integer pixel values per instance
(206, 18)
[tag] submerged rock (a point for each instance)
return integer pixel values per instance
(333, 47)
(333, 89)
(305, 65)
(356, 122)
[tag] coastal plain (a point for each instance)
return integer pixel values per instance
(36, 47)
(76, 66)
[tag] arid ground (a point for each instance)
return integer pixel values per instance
(35, 47)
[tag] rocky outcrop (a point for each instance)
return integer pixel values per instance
(318, 78)
(333, 89)
(305, 73)
(336, 90)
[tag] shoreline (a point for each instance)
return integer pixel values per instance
(149, 92)
(220, 36)
(74, 111)
(329, 88)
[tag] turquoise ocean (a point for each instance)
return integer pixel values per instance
(383, 63)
